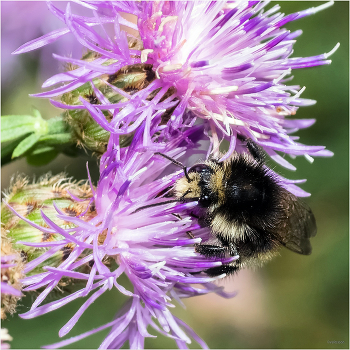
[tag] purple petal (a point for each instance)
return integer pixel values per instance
(79, 337)
(8, 289)
(42, 41)
(41, 310)
(70, 324)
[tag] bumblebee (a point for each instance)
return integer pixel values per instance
(246, 208)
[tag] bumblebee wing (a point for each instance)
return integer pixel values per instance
(298, 225)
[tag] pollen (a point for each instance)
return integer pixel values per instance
(165, 21)
(172, 67)
(144, 54)
(102, 237)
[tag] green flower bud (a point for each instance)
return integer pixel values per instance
(28, 200)
(87, 132)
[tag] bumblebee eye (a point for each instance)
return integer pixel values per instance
(198, 168)
(205, 201)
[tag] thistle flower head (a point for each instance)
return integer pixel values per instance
(26, 200)
(227, 63)
(11, 273)
(131, 233)
(7, 263)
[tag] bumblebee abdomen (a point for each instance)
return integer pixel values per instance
(257, 242)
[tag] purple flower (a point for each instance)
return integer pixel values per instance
(9, 294)
(132, 233)
(6, 288)
(228, 62)
(212, 69)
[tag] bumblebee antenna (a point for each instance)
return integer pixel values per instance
(181, 199)
(155, 205)
(175, 162)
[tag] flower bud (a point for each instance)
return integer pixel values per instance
(107, 88)
(11, 273)
(24, 203)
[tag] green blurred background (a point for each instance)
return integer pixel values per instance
(292, 302)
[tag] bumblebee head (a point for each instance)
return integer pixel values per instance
(203, 181)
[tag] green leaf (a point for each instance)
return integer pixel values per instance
(15, 126)
(6, 150)
(8, 121)
(57, 139)
(25, 145)
(41, 149)
(36, 113)
(8, 147)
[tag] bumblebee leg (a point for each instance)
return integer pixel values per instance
(190, 234)
(256, 151)
(219, 270)
(194, 215)
(210, 251)
(203, 221)
(231, 247)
